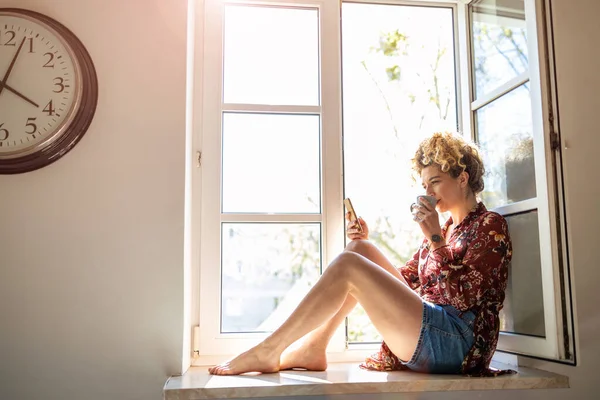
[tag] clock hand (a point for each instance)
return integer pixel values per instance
(4, 85)
(12, 64)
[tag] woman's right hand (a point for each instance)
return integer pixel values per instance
(352, 229)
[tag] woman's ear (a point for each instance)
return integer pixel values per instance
(463, 179)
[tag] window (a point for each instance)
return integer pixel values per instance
(269, 219)
(306, 102)
(399, 86)
(509, 110)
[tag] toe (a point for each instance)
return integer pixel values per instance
(216, 370)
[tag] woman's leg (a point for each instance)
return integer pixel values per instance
(394, 309)
(311, 353)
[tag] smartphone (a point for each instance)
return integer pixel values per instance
(353, 216)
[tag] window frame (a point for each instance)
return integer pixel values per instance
(210, 346)
(211, 341)
(558, 342)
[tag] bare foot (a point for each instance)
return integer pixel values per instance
(312, 358)
(257, 359)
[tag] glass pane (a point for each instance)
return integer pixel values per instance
(267, 271)
(271, 163)
(271, 55)
(524, 305)
(499, 42)
(504, 131)
(398, 86)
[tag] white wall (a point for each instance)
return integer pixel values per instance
(91, 247)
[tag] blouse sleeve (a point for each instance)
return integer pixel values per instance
(463, 283)
(410, 271)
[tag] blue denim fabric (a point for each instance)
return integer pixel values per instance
(445, 339)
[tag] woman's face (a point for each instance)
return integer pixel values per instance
(449, 191)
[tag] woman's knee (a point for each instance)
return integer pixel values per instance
(362, 247)
(346, 262)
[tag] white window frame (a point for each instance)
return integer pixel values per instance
(211, 341)
(209, 345)
(547, 203)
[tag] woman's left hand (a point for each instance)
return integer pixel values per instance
(428, 218)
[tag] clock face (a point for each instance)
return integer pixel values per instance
(44, 70)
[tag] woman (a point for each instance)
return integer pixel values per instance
(439, 312)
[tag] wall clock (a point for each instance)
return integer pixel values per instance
(48, 90)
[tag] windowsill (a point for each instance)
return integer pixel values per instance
(347, 378)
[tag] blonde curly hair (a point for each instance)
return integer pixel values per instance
(452, 154)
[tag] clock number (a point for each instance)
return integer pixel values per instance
(31, 125)
(48, 65)
(49, 109)
(31, 45)
(11, 42)
(3, 133)
(59, 84)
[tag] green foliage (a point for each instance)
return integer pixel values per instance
(393, 44)
(393, 73)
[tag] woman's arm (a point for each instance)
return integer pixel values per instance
(484, 266)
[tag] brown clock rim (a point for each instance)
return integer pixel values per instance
(83, 115)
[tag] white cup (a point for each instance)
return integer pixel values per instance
(432, 200)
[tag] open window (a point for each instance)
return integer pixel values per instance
(512, 122)
(307, 102)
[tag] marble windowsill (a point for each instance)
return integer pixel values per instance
(346, 378)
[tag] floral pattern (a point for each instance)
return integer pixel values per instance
(469, 273)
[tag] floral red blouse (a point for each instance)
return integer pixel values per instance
(469, 273)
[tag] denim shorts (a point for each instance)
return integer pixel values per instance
(445, 339)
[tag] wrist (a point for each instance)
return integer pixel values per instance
(437, 241)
